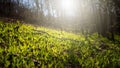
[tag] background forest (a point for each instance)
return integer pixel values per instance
(87, 15)
(59, 33)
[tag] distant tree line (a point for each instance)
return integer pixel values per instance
(102, 16)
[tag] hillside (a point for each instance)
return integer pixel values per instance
(26, 46)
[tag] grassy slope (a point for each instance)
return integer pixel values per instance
(25, 46)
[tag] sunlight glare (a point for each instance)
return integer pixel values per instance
(68, 6)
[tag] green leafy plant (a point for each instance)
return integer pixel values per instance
(25, 46)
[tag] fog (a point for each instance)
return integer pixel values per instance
(69, 15)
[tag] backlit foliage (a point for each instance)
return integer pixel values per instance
(26, 46)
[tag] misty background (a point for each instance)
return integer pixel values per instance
(102, 16)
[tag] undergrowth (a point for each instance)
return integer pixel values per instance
(26, 46)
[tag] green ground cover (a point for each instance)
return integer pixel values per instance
(26, 46)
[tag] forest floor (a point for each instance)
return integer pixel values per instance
(26, 46)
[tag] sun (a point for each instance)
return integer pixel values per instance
(68, 6)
